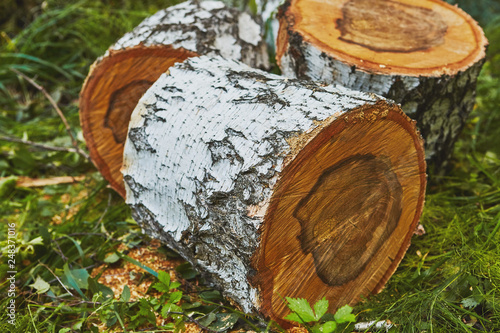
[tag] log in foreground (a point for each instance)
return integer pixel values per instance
(425, 55)
(118, 79)
(274, 187)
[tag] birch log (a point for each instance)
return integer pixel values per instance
(118, 79)
(274, 187)
(424, 54)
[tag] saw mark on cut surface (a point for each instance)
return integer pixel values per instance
(348, 215)
(390, 26)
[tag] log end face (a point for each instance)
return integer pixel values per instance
(344, 221)
(344, 211)
(109, 95)
(393, 37)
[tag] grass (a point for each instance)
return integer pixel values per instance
(449, 280)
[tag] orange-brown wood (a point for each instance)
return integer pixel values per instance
(406, 37)
(109, 95)
(344, 211)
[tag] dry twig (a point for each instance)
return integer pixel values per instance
(57, 278)
(58, 110)
(39, 145)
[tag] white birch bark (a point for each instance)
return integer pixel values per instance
(206, 145)
(207, 27)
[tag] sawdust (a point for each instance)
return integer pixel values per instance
(117, 276)
(128, 274)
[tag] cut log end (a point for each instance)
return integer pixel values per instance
(388, 37)
(109, 95)
(343, 213)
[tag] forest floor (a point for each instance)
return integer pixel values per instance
(83, 264)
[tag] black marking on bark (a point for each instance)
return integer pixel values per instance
(232, 132)
(224, 150)
(249, 188)
(313, 86)
(251, 76)
(221, 88)
(171, 89)
(139, 138)
(265, 96)
(134, 186)
(295, 48)
(178, 98)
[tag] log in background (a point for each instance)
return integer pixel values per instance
(117, 80)
(425, 55)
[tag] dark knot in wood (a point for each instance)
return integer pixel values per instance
(348, 215)
(121, 104)
(390, 26)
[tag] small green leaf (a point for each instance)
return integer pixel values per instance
(96, 288)
(168, 308)
(208, 319)
(302, 308)
(40, 285)
(78, 325)
(329, 326)
(211, 295)
(111, 320)
(168, 327)
(470, 302)
(189, 306)
(81, 276)
(112, 258)
(161, 287)
(317, 328)
(125, 294)
(175, 296)
(145, 312)
(164, 277)
(187, 271)
(473, 281)
(320, 308)
(174, 285)
(64, 330)
(294, 317)
(70, 279)
(344, 315)
(224, 321)
(36, 241)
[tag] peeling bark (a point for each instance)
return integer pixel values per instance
(231, 165)
(425, 56)
(119, 78)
